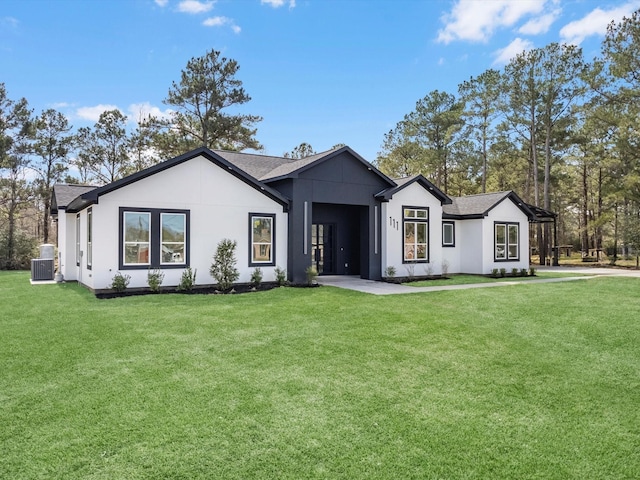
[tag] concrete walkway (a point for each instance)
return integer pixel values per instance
(382, 288)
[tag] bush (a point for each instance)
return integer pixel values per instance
(514, 272)
(223, 268)
(390, 272)
(532, 272)
(154, 279)
(23, 250)
(256, 277)
(445, 268)
(494, 272)
(120, 282)
(503, 272)
(311, 273)
(187, 280)
(281, 276)
(523, 272)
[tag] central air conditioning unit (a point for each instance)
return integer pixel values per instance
(42, 269)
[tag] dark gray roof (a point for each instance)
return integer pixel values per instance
(258, 166)
(477, 206)
(64, 194)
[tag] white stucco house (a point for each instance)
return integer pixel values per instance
(332, 210)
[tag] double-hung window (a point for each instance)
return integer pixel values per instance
(415, 234)
(507, 241)
(448, 234)
(78, 240)
(89, 238)
(154, 238)
(262, 239)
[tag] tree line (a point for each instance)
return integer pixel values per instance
(37, 151)
(559, 130)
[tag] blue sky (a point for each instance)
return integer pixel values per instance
(318, 71)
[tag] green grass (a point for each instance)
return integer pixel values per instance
(466, 279)
(526, 381)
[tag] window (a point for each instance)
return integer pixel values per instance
(172, 241)
(89, 238)
(416, 234)
(78, 240)
(153, 238)
(448, 234)
(506, 241)
(137, 238)
(261, 239)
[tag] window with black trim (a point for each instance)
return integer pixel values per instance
(89, 238)
(415, 228)
(262, 235)
(78, 240)
(448, 234)
(154, 238)
(507, 244)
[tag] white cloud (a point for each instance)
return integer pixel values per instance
(476, 21)
(540, 25)
(93, 113)
(504, 55)
(194, 6)
(221, 22)
(278, 3)
(9, 22)
(595, 23)
(161, 3)
(61, 105)
(138, 111)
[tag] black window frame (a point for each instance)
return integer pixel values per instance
(155, 259)
(89, 255)
(78, 240)
(453, 234)
(271, 263)
(506, 244)
(415, 220)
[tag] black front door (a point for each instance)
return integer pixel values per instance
(322, 242)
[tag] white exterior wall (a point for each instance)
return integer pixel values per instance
(413, 195)
(219, 206)
(471, 245)
(66, 248)
(452, 254)
(505, 211)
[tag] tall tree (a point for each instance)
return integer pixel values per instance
(301, 151)
(51, 146)
(207, 89)
(15, 192)
(481, 95)
(104, 150)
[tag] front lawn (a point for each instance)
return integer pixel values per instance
(526, 381)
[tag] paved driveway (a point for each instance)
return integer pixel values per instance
(383, 288)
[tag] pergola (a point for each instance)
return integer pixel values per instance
(542, 215)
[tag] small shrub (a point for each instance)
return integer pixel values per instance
(503, 272)
(514, 272)
(223, 268)
(428, 269)
(154, 279)
(523, 272)
(311, 273)
(411, 270)
(445, 268)
(256, 277)
(390, 272)
(281, 276)
(120, 282)
(532, 272)
(187, 280)
(494, 272)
